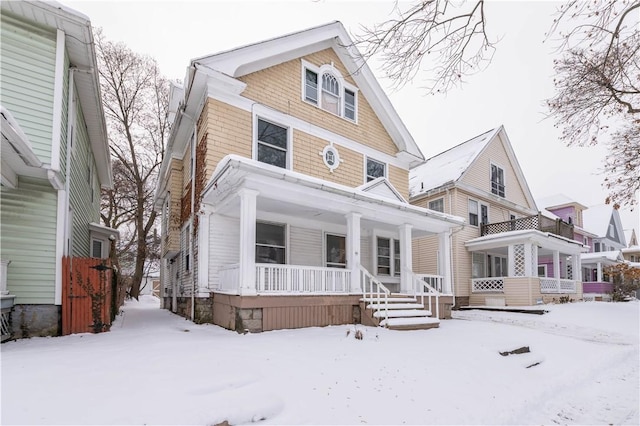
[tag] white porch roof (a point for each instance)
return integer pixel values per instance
(286, 192)
(604, 257)
(544, 240)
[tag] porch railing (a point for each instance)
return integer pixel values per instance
(538, 221)
(422, 287)
(374, 292)
(487, 285)
(555, 285)
(435, 281)
(276, 278)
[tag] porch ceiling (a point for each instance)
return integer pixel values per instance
(293, 194)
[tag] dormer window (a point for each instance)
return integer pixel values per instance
(325, 88)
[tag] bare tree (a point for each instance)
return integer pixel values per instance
(448, 38)
(598, 87)
(598, 71)
(135, 98)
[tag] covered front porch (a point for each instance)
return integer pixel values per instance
(523, 268)
(597, 284)
(269, 232)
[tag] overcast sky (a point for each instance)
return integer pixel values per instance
(511, 92)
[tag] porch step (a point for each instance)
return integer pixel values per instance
(381, 306)
(392, 299)
(403, 313)
(410, 323)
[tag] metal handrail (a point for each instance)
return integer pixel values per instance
(381, 292)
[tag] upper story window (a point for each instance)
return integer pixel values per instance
(437, 205)
(596, 247)
(272, 143)
(473, 212)
(375, 169)
(324, 87)
(497, 180)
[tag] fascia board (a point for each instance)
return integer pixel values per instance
(506, 143)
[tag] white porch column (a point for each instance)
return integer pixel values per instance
(247, 261)
(406, 259)
(353, 250)
(575, 268)
(556, 267)
(444, 248)
(600, 278)
(528, 261)
(204, 216)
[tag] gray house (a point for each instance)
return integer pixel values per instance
(55, 159)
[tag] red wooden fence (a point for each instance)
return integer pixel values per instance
(86, 295)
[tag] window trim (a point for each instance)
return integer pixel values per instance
(393, 274)
(325, 262)
(441, 199)
(366, 174)
(285, 226)
(546, 273)
(477, 213)
(268, 119)
(342, 84)
(504, 180)
(97, 240)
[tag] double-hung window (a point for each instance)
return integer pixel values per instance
(497, 180)
(272, 143)
(375, 169)
(473, 212)
(270, 243)
(437, 205)
(325, 88)
(336, 255)
(388, 256)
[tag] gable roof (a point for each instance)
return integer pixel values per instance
(257, 56)
(449, 167)
(597, 219)
(79, 44)
(382, 187)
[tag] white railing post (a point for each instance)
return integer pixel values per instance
(247, 259)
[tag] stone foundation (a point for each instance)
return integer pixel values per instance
(203, 312)
(36, 321)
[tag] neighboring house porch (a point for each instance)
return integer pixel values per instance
(524, 267)
(281, 249)
(596, 285)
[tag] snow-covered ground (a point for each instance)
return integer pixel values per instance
(158, 368)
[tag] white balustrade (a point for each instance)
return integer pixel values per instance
(487, 285)
(276, 278)
(422, 284)
(555, 285)
(435, 281)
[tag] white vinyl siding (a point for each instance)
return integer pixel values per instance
(305, 246)
(27, 78)
(224, 245)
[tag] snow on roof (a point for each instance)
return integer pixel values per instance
(596, 219)
(448, 166)
(613, 255)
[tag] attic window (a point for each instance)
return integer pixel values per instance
(497, 180)
(324, 87)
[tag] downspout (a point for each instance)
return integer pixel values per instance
(193, 213)
(70, 128)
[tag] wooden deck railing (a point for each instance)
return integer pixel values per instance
(538, 222)
(275, 278)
